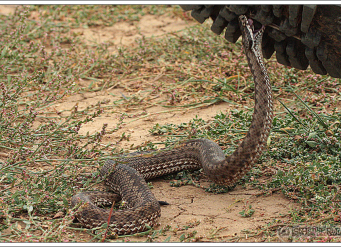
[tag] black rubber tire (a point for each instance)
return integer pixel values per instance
(301, 35)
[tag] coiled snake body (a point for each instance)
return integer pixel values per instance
(127, 177)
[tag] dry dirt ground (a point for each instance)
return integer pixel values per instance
(215, 217)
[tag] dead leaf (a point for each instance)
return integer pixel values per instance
(58, 215)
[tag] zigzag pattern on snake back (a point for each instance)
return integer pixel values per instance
(126, 176)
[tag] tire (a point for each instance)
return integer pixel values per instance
(301, 35)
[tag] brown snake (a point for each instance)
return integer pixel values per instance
(127, 176)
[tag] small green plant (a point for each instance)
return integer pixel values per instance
(247, 212)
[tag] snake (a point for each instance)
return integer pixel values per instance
(126, 176)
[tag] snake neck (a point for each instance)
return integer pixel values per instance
(241, 160)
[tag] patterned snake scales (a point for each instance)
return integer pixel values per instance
(127, 177)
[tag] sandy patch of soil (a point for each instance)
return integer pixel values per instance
(124, 33)
(7, 9)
